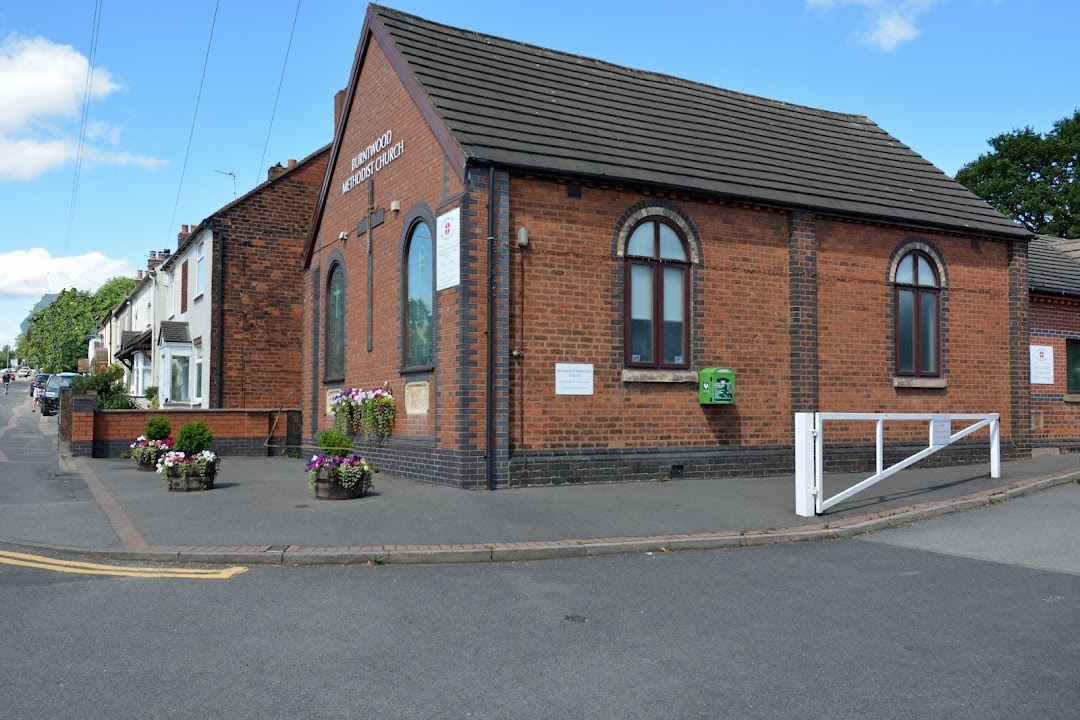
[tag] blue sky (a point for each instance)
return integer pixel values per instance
(943, 76)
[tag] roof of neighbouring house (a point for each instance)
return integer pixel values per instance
(1054, 265)
(525, 107)
(173, 332)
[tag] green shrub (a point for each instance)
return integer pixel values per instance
(108, 382)
(335, 443)
(158, 428)
(151, 393)
(194, 437)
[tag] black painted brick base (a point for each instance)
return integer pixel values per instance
(246, 447)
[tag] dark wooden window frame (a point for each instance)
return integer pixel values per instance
(919, 292)
(657, 265)
(336, 267)
(405, 366)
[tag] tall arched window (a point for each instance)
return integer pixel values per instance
(918, 316)
(419, 316)
(657, 298)
(335, 324)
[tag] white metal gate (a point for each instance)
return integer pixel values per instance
(809, 452)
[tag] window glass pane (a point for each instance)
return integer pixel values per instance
(642, 241)
(179, 378)
(671, 246)
(928, 321)
(1072, 360)
(198, 371)
(335, 325)
(641, 313)
(418, 345)
(905, 271)
(926, 274)
(674, 316)
(906, 332)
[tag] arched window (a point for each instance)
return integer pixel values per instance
(419, 317)
(335, 324)
(918, 316)
(657, 296)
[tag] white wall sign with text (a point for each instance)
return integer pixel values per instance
(448, 250)
(1042, 364)
(573, 379)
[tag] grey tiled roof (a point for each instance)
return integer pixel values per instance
(1054, 265)
(129, 337)
(174, 332)
(526, 107)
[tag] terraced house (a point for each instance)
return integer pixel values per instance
(541, 254)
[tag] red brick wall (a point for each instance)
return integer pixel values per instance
(419, 175)
(260, 241)
(1054, 421)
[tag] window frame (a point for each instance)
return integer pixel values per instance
(918, 292)
(406, 366)
(200, 257)
(337, 269)
(657, 265)
(1074, 346)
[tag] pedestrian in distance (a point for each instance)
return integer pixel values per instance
(7, 380)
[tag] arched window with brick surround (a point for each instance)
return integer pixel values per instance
(657, 295)
(419, 318)
(917, 313)
(335, 323)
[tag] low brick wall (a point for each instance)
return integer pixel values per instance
(109, 433)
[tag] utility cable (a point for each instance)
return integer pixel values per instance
(198, 98)
(82, 123)
(281, 81)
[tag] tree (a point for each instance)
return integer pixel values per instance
(1032, 178)
(6, 352)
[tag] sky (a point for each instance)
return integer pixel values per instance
(188, 98)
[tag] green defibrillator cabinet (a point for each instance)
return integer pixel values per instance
(716, 386)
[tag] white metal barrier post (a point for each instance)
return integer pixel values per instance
(805, 491)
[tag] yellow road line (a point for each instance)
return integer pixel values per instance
(82, 568)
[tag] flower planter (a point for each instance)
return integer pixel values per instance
(329, 488)
(180, 483)
(146, 465)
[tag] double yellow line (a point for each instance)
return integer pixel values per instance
(81, 568)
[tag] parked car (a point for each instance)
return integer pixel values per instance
(24, 372)
(50, 401)
(38, 382)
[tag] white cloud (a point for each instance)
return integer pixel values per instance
(40, 80)
(888, 24)
(34, 272)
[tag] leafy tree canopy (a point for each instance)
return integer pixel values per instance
(57, 335)
(1032, 178)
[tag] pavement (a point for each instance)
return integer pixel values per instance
(261, 512)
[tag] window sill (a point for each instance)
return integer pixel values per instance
(917, 382)
(1071, 397)
(630, 375)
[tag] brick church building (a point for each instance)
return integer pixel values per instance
(539, 253)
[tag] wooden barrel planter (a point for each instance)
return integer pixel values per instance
(146, 465)
(180, 483)
(328, 488)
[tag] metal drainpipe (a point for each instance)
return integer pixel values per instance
(491, 331)
(219, 339)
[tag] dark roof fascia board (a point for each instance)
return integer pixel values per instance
(419, 95)
(748, 200)
(372, 28)
(339, 133)
(1037, 290)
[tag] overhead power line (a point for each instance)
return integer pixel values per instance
(90, 61)
(195, 115)
(273, 113)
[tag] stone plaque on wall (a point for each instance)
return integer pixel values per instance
(417, 398)
(329, 397)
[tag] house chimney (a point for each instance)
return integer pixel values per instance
(274, 172)
(138, 276)
(164, 254)
(183, 234)
(153, 261)
(339, 106)
(291, 163)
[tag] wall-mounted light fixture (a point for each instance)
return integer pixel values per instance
(395, 205)
(343, 236)
(523, 237)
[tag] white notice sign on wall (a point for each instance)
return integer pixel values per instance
(448, 250)
(1042, 364)
(573, 379)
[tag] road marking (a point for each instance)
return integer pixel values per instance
(82, 568)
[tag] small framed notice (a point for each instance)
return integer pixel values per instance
(448, 250)
(573, 379)
(1042, 364)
